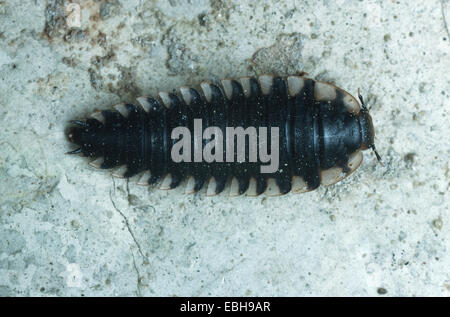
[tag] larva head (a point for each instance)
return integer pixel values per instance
(367, 129)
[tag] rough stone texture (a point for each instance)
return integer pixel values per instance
(67, 229)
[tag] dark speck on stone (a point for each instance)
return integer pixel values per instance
(409, 159)
(202, 19)
(381, 291)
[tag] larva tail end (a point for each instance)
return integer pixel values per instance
(81, 133)
(74, 134)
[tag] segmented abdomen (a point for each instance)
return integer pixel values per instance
(319, 135)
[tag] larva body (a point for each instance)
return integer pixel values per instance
(322, 131)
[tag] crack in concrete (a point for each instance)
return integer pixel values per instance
(220, 275)
(127, 223)
(445, 20)
(138, 287)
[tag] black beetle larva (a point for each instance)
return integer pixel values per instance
(322, 131)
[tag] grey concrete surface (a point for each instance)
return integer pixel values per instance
(67, 229)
